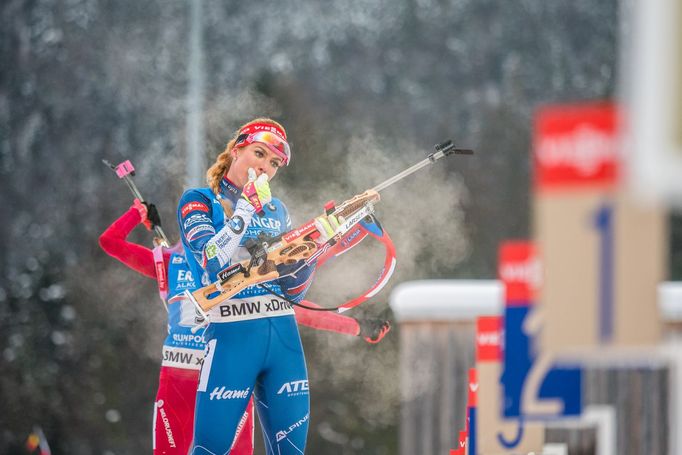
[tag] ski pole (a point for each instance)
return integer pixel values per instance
(124, 171)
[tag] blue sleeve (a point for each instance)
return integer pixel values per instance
(212, 248)
(296, 287)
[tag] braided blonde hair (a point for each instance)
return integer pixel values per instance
(223, 162)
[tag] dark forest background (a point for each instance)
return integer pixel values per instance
(364, 87)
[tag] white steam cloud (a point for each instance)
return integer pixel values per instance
(422, 213)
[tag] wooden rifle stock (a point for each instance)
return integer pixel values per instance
(294, 246)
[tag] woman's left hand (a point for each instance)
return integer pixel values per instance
(327, 225)
(373, 330)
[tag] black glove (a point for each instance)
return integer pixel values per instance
(373, 330)
(148, 214)
(153, 215)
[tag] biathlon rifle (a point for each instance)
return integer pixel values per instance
(125, 171)
(298, 245)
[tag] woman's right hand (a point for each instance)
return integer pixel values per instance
(257, 190)
(141, 208)
(149, 216)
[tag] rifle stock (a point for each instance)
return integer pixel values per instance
(355, 203)
(294, 246)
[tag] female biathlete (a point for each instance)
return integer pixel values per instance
(183, 350)
(253, 344)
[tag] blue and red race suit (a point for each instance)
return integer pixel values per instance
(253, 344)
(182, 350)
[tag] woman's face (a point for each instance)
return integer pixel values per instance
(257, 156)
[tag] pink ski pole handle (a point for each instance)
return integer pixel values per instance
(125, 168)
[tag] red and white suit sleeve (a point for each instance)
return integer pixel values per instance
(326, 320)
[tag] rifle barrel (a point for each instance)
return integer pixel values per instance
(442, 150)
(403, 174)
(412, 169)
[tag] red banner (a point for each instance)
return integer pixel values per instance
(463, 441)
(488, 339)
(520, 271)
(473, 388)
(576, 146)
